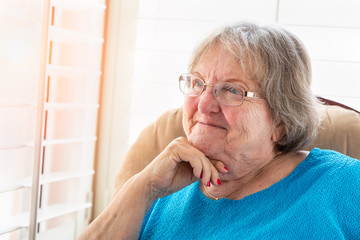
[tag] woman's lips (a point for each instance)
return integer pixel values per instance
(211, 124)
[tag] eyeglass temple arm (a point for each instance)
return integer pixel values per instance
(253, 95)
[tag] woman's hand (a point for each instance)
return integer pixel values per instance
(177, 166)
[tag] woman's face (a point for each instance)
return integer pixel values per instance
(232, 135)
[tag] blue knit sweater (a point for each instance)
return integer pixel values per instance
(320, 199)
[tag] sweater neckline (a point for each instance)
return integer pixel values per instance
(267, 191)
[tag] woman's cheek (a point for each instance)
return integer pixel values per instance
(189, 109)
(186, 124)
(242, 122)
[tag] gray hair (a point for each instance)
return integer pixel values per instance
(279, 62)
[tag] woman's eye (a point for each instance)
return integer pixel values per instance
(197, 83)
(233, 90)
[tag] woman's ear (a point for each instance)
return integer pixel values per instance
(278, 132)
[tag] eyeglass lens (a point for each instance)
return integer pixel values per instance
(225, 92)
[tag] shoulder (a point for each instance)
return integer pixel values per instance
(332, 158)
(332, 169)
(342, 171)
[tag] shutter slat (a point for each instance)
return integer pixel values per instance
(45, 179)
(65, 175)
(17, 105)
(58, 210)
(59, 47)
(22, 220)
(64, 71)
(14, 223)
(68, 140)
(67, 36)
(78, 5)
(16, 146)
(70, 106)
(22, 183)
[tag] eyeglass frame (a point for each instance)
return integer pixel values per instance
(245, 93)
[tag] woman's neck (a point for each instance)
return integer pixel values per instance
(263, 177)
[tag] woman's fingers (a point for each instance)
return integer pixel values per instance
(172, 174)
(186, 153)
(220, 166)
(203, 168)
(215, 178)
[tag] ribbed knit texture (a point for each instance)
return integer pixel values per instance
(320, 199)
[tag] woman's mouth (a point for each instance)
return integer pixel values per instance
(209, 124)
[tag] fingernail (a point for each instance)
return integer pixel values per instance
(226, 168)
(200, 175)
(218, 182)
(208, 183)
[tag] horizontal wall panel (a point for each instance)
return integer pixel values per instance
(334, 44)
(334, 78)
(149, 101)
(159, 66)
(147, 8)
(146, 33)
(182, 35)
(227, 10)
(153, 99)
(171, 35)
(337, 13)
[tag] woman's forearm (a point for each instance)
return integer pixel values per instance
(123, 218)
(176, 167)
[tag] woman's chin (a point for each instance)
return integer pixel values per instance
(209, 147)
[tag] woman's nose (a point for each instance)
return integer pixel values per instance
(208, 102)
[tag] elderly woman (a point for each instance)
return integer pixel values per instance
(248, 112)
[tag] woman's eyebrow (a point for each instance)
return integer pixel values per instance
(232, 80)
(198, 75)
(237, 81)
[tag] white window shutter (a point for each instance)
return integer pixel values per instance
(49, 101)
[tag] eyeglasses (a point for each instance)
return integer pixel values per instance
(226, 93)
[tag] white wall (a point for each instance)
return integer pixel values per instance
(167, 30)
